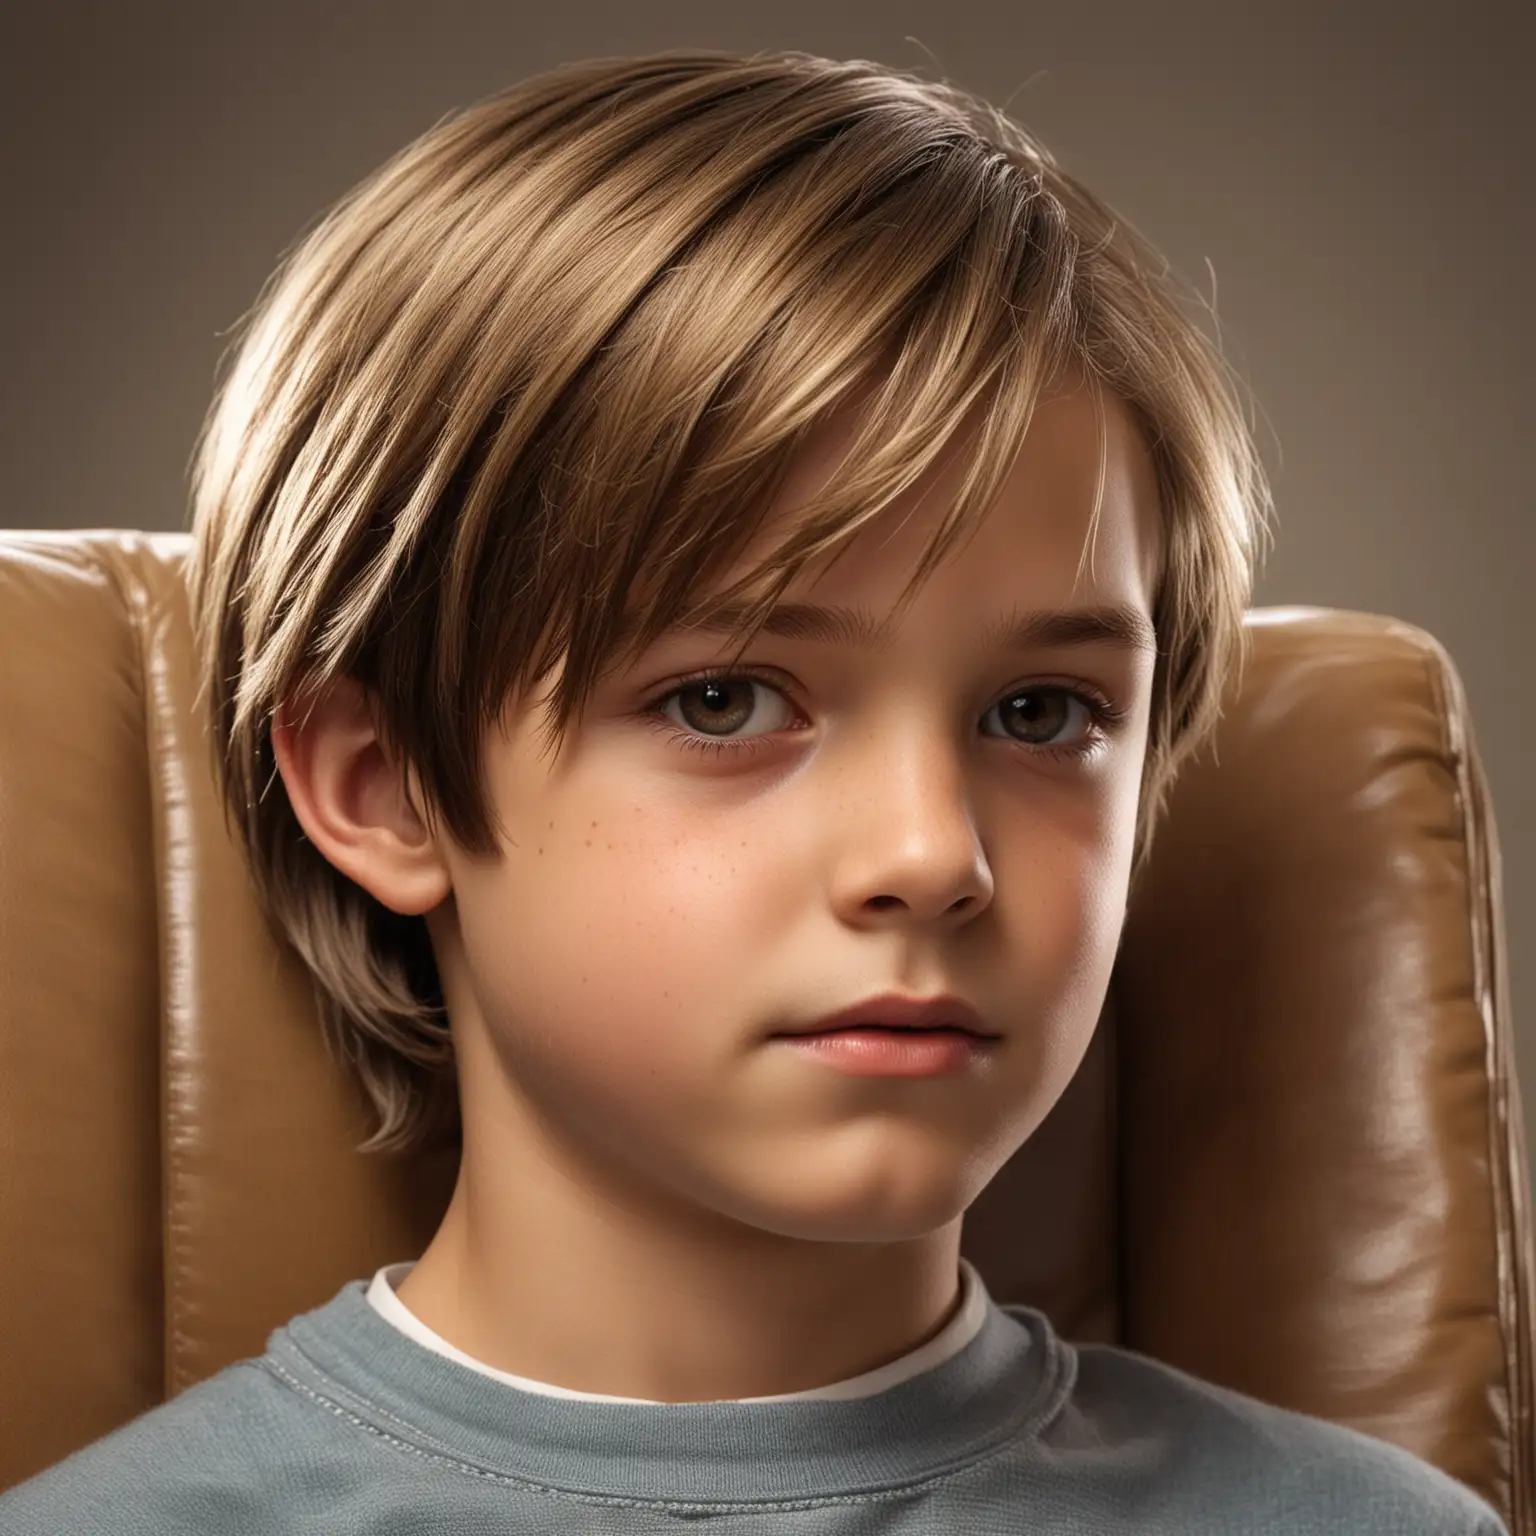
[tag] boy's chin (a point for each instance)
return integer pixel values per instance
(856, 1211)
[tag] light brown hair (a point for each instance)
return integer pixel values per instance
(525, 393)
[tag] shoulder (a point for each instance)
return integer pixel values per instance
(211, 1460)
(1227, 1453)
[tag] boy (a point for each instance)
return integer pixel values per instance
(636, 548)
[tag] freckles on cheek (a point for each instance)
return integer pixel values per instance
(651, 925)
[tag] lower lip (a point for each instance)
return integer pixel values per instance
(892, 1052)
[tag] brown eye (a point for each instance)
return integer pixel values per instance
(1036, 716)
(721, 706)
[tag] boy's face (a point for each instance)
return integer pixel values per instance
(861, 821)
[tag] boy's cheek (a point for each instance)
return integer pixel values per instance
(595, 930)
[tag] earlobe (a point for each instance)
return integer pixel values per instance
(352, 801)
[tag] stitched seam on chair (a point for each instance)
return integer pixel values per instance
(177, 1221)
(1456, 745)
(106, 556)
(1514, 1275)
(445, 1456)
(1502, 1083)
(174, 1221)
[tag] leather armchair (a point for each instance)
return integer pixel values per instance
(1293, 1161)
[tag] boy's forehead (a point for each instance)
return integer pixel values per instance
(1044, 505)
(1037, 610)
(1124, 625)
(1078, 455)
(1065, 422)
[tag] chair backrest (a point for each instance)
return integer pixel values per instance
(1293, 1161)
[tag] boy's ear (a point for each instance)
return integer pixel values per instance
(349, 798)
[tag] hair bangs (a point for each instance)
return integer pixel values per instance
(985, 320)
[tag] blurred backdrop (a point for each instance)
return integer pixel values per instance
(1349, 183)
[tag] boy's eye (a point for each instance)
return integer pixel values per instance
(1037, 716)
(722, 706)
(715, 711)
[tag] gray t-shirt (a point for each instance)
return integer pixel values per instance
(347, 1425)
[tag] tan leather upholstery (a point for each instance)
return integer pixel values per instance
(1293, 1161)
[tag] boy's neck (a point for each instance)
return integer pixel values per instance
(604, 1299)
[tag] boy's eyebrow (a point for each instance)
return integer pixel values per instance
(1114, 624)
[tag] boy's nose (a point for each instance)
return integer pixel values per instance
(905, 837)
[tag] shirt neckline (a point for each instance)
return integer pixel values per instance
(953, 1337)
(1007, 1382)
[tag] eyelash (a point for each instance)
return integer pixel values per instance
(1105, 716)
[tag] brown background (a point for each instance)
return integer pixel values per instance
(1355, 176)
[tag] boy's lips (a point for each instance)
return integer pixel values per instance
(893, 1011)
